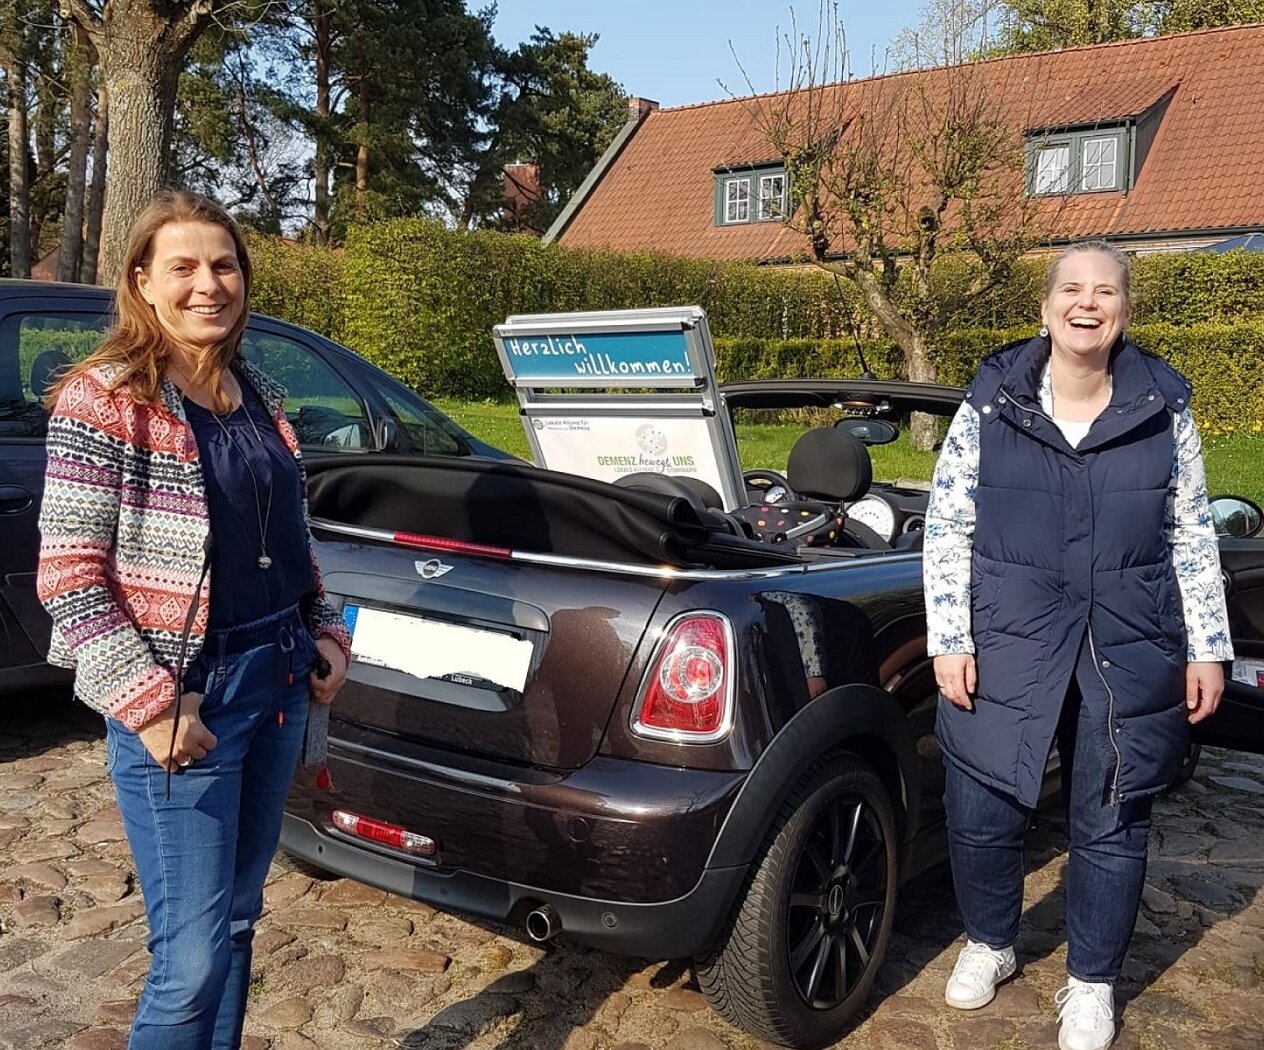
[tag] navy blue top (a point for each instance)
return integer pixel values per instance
(240, 590)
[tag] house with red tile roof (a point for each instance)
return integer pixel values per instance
(1155, 144)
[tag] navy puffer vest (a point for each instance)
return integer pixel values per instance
(1070, 557)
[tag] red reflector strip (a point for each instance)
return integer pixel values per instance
(387, 834)
(442, 543)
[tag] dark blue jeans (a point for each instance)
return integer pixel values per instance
(202, 855)
(1105, 872)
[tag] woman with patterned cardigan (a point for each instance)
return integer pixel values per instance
(178, 567)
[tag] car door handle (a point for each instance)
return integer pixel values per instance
(14, 499)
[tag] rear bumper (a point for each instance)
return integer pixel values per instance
(661, 930)
(619, 848)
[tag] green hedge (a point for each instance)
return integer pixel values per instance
(420, 301)
(1225, 363)
(300, 283)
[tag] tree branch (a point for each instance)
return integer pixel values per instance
(88, 17)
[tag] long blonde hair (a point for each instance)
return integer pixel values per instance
(136, 341)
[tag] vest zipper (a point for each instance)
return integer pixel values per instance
(1115, 797)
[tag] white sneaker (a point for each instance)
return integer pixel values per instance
(978, 971)
(1087, 1015)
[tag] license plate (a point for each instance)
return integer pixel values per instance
(434, 649)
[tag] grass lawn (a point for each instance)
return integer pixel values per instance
(1234, 464)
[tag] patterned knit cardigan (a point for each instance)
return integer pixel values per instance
(123, 528)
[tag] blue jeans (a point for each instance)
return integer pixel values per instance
(1105, 872)
(203, 855)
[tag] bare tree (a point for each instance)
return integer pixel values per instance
(889, 174)
(142, 46)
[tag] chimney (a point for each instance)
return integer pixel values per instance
(522, 195)
(640, 108)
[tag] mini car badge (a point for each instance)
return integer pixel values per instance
(432, 569)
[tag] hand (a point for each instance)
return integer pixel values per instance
(1204, 685)
(193, 740)
(956, 676)
(816, 686)
(325, 689)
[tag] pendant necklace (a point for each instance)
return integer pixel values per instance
(261, 515)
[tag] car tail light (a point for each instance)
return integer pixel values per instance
(386, 834)
(687, 697)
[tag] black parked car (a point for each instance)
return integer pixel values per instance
(608, 712)
(338, 402)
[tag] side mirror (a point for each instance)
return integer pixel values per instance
(387, 434)
(869, 431)
(1236, 517)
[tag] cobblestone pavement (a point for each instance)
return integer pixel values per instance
(339, 965)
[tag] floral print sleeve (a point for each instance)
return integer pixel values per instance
(1195, 555)
(949, 538)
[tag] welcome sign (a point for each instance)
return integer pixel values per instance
(570, 356)
(638, 395)
(658, 348)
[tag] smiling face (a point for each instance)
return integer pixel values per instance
(1087, 305)
(194, 283)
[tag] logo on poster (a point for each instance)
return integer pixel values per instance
(652, 456)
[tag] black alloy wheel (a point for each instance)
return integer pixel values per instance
(837, 903)
(802, 947)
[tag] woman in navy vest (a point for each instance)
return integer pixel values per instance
(1073, 596)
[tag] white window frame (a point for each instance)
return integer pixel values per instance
(772, 206)
(1102, 142)
(736, 200)
(1043, 176)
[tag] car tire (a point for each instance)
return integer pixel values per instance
(801, 949)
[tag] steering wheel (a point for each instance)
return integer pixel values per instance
(773, 487)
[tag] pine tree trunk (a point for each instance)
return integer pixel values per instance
(47, 111)
(69, 259)
(362, 152)
(96, 191)
(321, 18)
(19, 181)
(142, 91)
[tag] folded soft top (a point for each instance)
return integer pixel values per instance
(523, 507)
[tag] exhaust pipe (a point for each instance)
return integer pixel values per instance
(543, 924)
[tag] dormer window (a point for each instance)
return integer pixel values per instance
(751, 194)
(1088, 160)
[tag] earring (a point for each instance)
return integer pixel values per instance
(1044, 331)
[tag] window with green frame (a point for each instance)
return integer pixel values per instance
(750, 195)
(1086, 160)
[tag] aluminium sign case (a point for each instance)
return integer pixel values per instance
(608, 393)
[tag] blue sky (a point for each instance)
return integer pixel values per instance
(675, 51)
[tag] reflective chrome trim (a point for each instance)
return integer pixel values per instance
(560, 561)
(677, 736)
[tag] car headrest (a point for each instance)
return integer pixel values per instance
(829, 464)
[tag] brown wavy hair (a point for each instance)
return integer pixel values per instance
(136, 342)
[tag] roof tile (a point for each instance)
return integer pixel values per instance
(1203, 170)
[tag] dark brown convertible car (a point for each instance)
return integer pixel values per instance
(621, 715)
